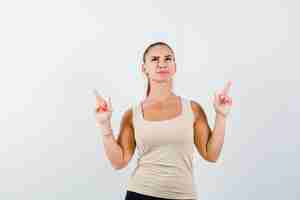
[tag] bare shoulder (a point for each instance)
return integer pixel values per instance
(197, 110)
(127, 116)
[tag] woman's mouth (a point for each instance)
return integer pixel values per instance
(163, 72)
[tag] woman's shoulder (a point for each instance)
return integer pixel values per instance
(127, 116)
(193, 103)
(130, 112)
(197, 108)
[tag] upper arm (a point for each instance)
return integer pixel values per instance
(201, 128)
(126, 138)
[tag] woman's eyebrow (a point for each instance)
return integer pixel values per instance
(159, 56)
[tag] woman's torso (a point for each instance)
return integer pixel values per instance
(165, 146)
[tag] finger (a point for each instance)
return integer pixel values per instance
(216, 96)
(99, 99)
(221, 97)
(101, 104)
(98, 96)
(226, 100)
(226, 88)
(109, 104)
(101, 109)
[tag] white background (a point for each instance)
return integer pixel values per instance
(53, 53)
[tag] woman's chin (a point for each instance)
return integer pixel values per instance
(162, 79)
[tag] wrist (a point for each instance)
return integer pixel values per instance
(107, 135)
(221, 115)
(107, 130)
(105, 125)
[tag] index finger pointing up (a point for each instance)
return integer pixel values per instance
(99, 99)
(227, 87)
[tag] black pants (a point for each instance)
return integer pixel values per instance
(130, 195)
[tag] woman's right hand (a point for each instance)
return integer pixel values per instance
(103, 112)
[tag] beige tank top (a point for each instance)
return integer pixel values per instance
(165, 155)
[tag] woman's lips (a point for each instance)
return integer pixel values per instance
(163, 72)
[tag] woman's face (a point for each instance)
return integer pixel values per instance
(159, 63)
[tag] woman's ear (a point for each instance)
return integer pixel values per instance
(144, 70)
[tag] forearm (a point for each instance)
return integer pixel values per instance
(113, 150)
(216, 139)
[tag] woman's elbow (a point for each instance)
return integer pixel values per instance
(211, 160)
(119, 166)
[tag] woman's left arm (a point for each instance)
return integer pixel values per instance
(222, 104)
(209, 142)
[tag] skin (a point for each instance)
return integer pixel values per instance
(159, 58)
(163, 104)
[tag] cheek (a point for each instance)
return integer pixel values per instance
(173, 69)
(152, 67)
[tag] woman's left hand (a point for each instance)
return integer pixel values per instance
(222, 102)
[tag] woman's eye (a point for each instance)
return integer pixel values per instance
(153, 59)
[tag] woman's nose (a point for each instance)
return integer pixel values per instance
(161, 66)
(162, 63)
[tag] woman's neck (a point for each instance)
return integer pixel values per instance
(160, 94)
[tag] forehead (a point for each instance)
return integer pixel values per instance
(160, 50)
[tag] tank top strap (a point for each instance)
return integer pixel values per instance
(187, 108)
(136, 113)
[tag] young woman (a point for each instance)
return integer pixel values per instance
(164, 127)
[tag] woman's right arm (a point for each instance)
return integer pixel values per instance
(120, 151)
